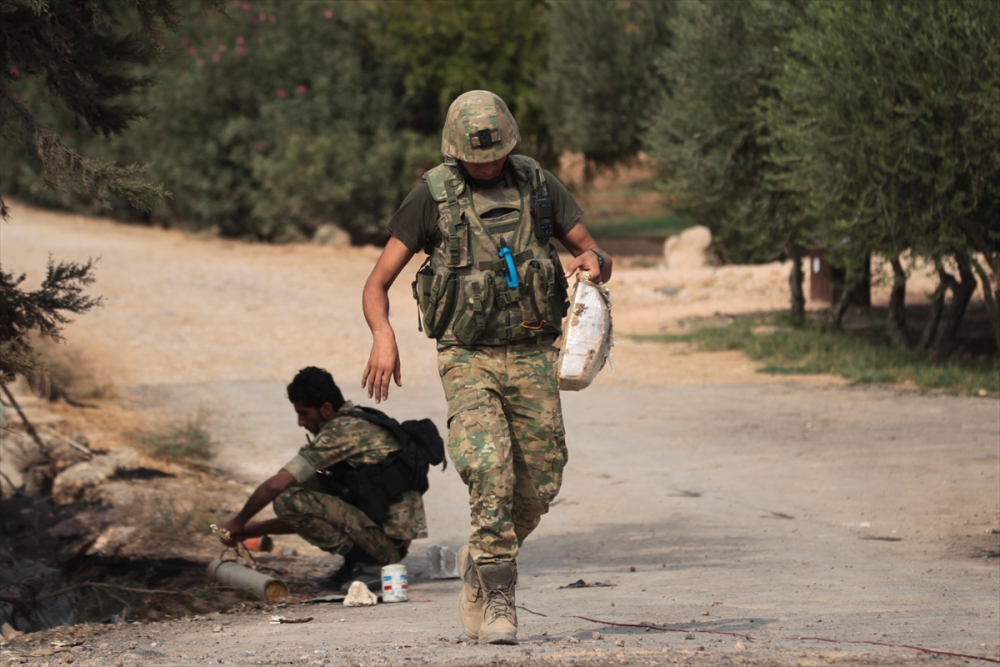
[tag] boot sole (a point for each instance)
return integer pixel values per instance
(508, 638)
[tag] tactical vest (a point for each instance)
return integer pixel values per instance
(461, 290)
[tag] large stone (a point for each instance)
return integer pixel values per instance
(689, 249)
(331, 236)
(74, 480)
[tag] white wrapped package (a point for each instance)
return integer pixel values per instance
(586, 339)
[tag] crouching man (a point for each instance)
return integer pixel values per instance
(351, 490)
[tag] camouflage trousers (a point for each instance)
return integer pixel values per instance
(335, 526)
(505, 439)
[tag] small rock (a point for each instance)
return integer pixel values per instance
(701, 648)
(217, 628)
(664, 650)
(740, 646)
(8, 631)
(454, 640)
(573, 640)
(619, 642)
(632, 569)
(716, 603)
(66, 659)
(358, 595)
(704, 613)
(689, 636)
(288, 552)
(597, 635)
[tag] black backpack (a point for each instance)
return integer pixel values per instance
(373, 488)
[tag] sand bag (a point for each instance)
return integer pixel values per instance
(586, 339)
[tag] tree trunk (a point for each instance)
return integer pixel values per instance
(937, 306)
(795, 279)
(896, 322)
(840, 309)
(961, 294)
(992, 300)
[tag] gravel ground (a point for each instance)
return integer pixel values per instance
(749, 518)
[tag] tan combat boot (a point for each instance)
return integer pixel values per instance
(499, 614)
(470, 604)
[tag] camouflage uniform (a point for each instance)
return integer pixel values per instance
(327, 521)
(496, 355)
(505, 438)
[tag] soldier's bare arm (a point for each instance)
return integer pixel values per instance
(258, 500)
(383, 361)
(585, 252)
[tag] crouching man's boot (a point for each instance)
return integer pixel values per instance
(470, 605)
(499, 615)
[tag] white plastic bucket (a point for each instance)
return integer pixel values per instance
(394, 585)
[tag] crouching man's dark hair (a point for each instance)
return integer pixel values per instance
(312, 387)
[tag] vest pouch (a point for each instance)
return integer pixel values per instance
(456, 243)
(474, 308)
(436, 293)
(542, 301)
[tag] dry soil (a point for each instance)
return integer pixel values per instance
(752, 519)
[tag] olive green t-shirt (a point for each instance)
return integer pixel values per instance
(415, 223)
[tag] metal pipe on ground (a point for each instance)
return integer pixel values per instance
(229, 573)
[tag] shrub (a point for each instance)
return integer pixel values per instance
(185, 440)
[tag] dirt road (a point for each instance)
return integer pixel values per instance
(739, 511)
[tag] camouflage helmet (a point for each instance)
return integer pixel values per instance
(479, 128)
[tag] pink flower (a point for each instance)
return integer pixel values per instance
(328, 14)
(14, 95)
(282, 94)
(262, 16)
(259, 145)
(191, 51)
(240, 40)
(240, 50)
(223, 47)
(302, 88)
(216, 57)
(13, 71)
(246, 6)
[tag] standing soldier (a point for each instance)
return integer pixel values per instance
(493, 294)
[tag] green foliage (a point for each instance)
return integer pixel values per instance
(786, 347)
(711, 137)
(443, 48)
(603, 83)
(888, 124)
(189, 439)
(42, 310)
(654, 229)
(85, 51)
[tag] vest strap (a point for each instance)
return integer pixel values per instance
(454, 247)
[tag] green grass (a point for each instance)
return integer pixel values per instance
(812, 348)
(654, 229)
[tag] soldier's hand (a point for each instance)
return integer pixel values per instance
(383, 365)
(588, 261)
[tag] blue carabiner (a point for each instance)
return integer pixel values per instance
(510, 272)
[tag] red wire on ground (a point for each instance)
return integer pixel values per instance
(817, 639)
(663, 629)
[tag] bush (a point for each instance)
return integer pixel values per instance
(186, 440)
